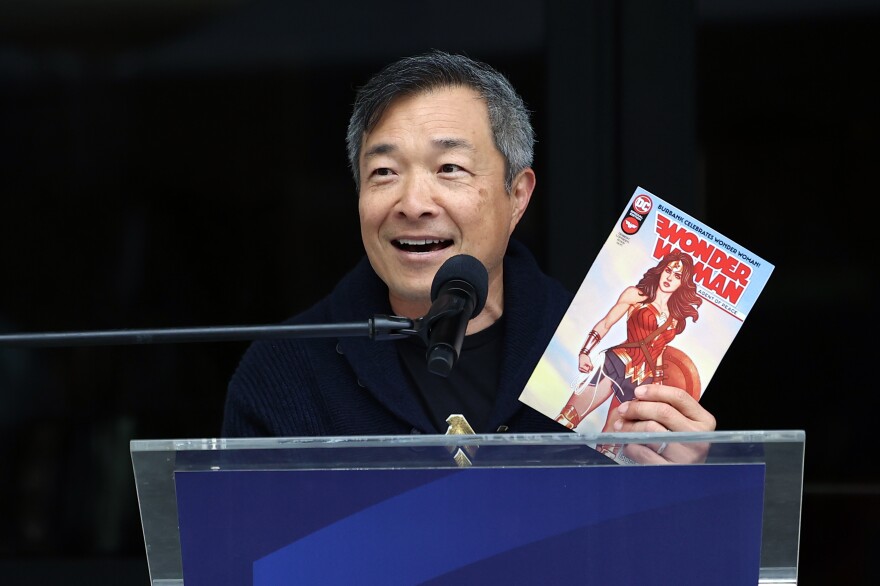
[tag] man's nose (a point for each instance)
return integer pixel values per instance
(417, 197)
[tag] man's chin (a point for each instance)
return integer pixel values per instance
(410, 303)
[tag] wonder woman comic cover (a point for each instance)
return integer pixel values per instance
(661, 303)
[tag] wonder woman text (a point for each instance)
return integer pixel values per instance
(714, 269)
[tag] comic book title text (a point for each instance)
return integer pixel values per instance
(714, 268)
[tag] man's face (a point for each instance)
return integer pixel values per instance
(432, 186)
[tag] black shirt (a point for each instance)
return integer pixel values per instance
(469, 389)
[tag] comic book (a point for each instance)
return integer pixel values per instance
(661, 303)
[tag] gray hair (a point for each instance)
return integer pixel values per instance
(508, 116)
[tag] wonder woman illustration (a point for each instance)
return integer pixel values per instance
(656, 309)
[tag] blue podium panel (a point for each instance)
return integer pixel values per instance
(540, 525)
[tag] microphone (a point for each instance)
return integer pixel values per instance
(458, 294)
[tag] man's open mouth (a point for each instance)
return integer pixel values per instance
(409, 245)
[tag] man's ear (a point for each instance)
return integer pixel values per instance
(521, 194)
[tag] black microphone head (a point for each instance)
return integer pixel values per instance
(463, 267)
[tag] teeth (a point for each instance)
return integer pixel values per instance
(418, 242)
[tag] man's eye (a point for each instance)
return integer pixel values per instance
(449, 168)
(383, 172)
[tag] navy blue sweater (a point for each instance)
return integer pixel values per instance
(357, 386)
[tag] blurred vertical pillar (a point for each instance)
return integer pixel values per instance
(621, 113)
(657, 99)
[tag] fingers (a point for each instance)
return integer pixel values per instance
(643, 454)
(658, 408)
(673, 453)
(661, 408)
(683, 402)
(638, 425)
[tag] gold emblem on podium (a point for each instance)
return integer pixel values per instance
(458, 425)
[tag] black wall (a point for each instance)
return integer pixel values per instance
(182, 163)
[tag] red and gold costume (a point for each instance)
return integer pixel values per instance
(645, 341)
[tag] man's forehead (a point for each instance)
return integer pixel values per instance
(464, 95)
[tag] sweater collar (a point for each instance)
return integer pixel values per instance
(361, 294)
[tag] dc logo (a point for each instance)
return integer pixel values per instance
(643, 204)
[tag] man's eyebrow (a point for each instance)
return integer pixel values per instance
(383, 148)
(453, 143)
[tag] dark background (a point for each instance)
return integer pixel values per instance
(181, 162)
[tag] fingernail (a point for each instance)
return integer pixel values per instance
(623, 407)
(618, 425)
(640, 392)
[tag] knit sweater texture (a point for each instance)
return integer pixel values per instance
(357, 386)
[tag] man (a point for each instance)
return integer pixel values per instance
(441, 150)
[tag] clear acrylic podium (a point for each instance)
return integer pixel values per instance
(507, 484)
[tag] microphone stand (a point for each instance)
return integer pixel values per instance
(378, 327)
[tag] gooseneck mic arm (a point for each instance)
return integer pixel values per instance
(379, 327)
(458, 294)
